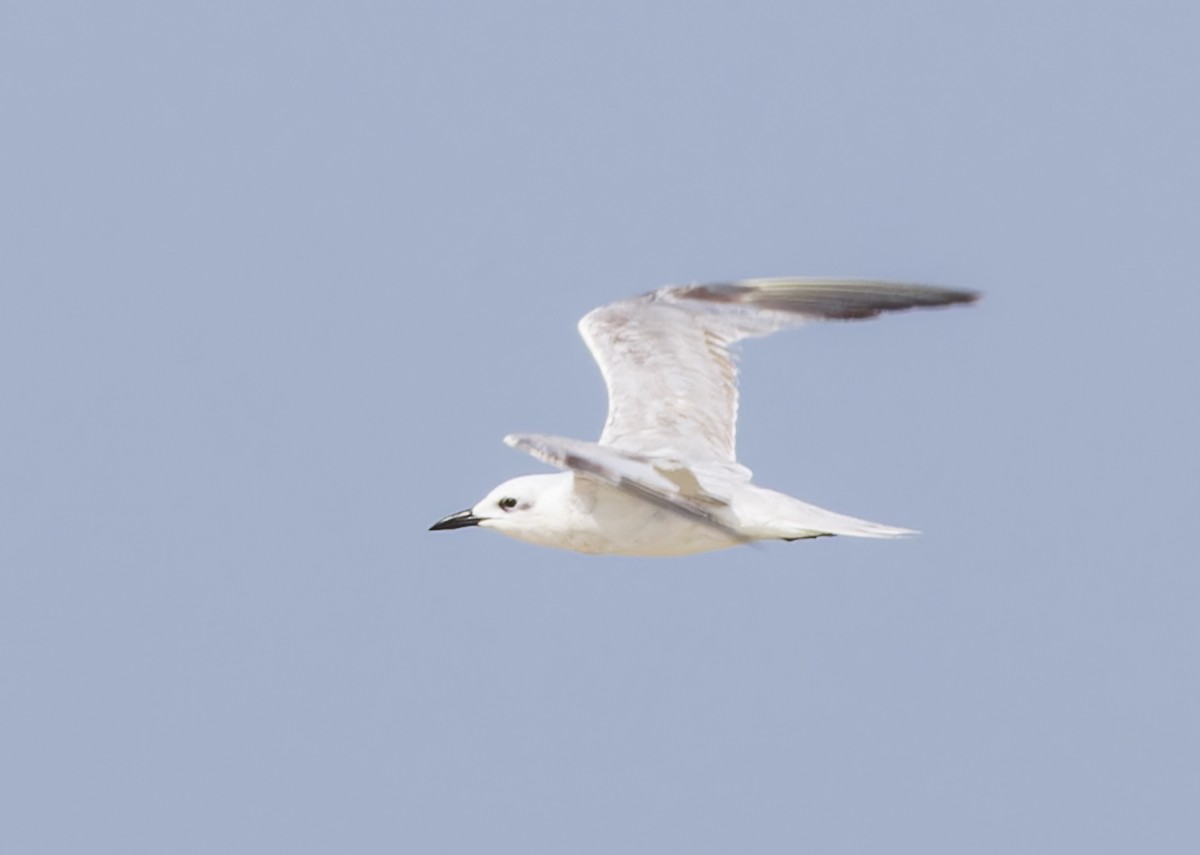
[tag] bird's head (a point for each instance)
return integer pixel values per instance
(533, 508)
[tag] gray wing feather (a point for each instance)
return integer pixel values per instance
(667, 361)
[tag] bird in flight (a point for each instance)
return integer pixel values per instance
(664, 479)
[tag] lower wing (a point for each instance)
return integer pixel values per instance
(673, 488)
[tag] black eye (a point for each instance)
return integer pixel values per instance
(508, 503)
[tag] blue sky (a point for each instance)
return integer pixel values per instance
(279, 277)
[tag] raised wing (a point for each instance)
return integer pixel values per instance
(667, 361)
(663, 483)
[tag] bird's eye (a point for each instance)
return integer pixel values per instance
(508, 503)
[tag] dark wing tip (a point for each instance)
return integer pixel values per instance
(832, 299)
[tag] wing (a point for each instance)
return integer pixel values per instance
(663, 483)
(667, 362)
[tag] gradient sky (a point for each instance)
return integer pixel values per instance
(277, 278)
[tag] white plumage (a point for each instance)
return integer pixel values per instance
(663, 478)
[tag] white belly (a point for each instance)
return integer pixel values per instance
(621, 525)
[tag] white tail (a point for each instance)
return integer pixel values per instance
(769, 514)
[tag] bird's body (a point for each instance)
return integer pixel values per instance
(601, 520)
(598, 519)
(663, 479)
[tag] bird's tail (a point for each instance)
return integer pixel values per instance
(775, 515)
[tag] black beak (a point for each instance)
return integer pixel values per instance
(462, 519)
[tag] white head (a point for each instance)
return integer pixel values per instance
(533, 508)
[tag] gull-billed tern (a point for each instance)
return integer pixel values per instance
(663, 478)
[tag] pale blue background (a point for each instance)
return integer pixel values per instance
(277, 277)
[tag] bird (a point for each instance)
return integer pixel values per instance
(663, 479)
